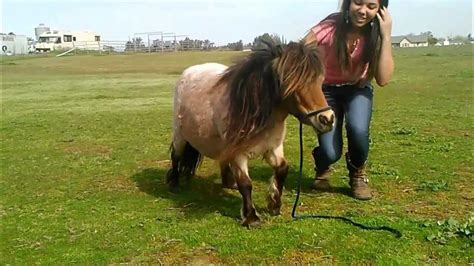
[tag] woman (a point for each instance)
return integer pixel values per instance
(356, 46)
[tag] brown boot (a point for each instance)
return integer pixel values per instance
(321, 180)
(358, 181)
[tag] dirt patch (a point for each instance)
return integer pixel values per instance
(454, 202)
(465, 172)
(442, 205)
(175, 253)
(162, 164)
(115, 183)
(314, 256)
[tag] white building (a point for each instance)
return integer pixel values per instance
(410, 41)
(443, 42)
(13, 44)
(65, 40)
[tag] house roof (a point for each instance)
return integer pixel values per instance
(410, 38)
(56, 33)
(417, 38)
(397, 39)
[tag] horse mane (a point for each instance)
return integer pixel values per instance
(261, 81)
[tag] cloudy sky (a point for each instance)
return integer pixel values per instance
(221, 21)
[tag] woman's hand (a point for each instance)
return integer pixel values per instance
(385, 21)
(384, 71)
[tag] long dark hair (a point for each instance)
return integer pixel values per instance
(371, 33)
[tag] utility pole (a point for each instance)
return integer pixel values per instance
(176, 44)
(149, 46)
(162, 44)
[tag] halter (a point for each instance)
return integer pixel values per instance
(312, 113)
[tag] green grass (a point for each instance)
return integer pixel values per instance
(85, 149)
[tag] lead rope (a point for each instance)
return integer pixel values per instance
(397, 233)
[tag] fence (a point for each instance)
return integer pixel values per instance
(157, 46)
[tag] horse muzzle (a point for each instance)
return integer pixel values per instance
(322, 120)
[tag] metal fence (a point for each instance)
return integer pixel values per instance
(156, 46)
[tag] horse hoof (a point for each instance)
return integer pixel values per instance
(174, 189)
(274, 211)
(273, 207)
(251, 222)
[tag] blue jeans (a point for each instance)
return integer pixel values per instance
(354, 105)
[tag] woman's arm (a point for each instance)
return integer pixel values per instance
(384, 71)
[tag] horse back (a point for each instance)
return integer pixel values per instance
(200, 108)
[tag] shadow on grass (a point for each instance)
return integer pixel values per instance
(202, 196)
(263, 173)
(197, 198)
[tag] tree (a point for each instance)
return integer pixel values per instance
(432, 40)
(460, 39)
(248, 46)
(129, 46)
(427, 33)
(138, 42)
(239, 46)
(30, 40)
(236, 46)
(135, 44)
(207, 45)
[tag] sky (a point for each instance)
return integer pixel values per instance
(221, 21)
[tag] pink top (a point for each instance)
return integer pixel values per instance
(325, 31)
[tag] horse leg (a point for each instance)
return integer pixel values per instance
(177, 150)
(244, 184)
(228, 180)
(275, 159)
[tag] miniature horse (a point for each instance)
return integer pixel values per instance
(231, 114)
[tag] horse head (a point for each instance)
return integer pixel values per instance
(301, 74)
(276, 76)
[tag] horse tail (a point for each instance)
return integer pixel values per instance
(184, 163)
(190, 161)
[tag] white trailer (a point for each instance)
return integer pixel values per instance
(65, 40)
(12, 44)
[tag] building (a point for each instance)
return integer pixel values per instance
(13, 44)
(400, 41)
(443, 42)
(40, 30)
(410, 41)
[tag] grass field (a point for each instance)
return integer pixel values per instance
(85, 150)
